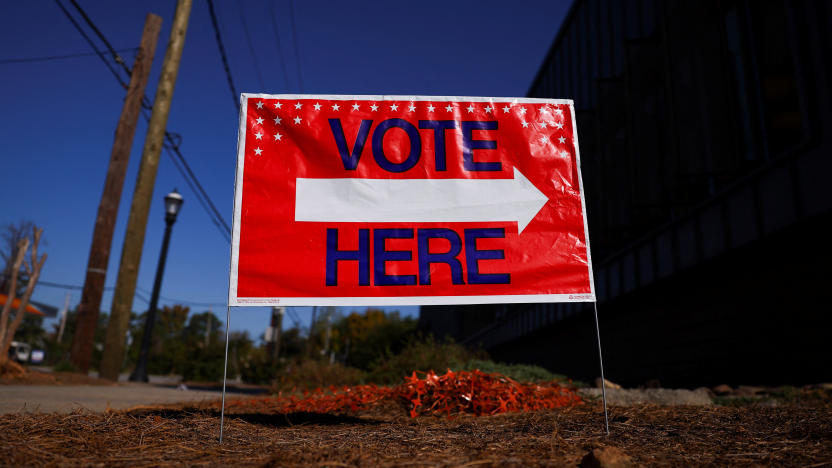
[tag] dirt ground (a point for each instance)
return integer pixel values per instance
(786, 435)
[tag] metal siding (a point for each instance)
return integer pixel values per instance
(777, 200)
(713, 231)
(741, 222)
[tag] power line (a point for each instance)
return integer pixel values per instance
(218, 222)
(76, 287)
(273, 17)
(173, 140)
(183, 301)
(66, 286)
(250, 46)
(234, 96)
(141, 297)
(98, 33)
(92, 44)
(295, 43)
(116, 57)
(80, 288)
(294, 317)
(49, 58)
(172, 150)
(175, 147)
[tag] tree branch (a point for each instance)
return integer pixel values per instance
(24, 301)
(22, 247)
(35, 266)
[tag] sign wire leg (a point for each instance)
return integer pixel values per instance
(225, 369)
(601, 361)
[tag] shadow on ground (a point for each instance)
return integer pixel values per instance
(263, 419)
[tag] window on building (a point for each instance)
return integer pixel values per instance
(738, 67)
(778, 86)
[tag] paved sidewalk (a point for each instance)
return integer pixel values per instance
(67, 398)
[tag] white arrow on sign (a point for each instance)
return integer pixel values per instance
(418, 200)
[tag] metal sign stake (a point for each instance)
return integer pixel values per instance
(225, 369)
(601, 361)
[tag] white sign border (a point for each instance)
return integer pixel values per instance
(235, 301)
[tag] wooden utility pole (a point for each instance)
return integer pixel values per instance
(64, 312)
(102, 236)
(329, 311)
(310, 344)
(208, 328)
(131, 253)
(277, 329)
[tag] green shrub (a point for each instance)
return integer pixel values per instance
(205, 365)
(64, 366)
(423, 355)
(363, 338)
(258, 367)
(310, 374)
(518, 372)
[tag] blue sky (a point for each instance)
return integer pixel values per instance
(59, 116)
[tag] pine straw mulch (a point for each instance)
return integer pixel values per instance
(385, 436)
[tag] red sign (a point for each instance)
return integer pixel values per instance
(395, 200)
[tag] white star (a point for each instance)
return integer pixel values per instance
(258, 135)
(355, 106)
(470, 108)
(259, 120)
(317, 106)
(522, 111)
(411, 107)
(430, 108)
(449, 108)
(488, 109)
(277, 120)
(373, 107)
(259, 104)
(543, 139)
(297, 106)
(559, 111)
(278, 105)
(335, 107)
(394, 107)
(543, 124)
(277, 136)
(297, 120)
(258, 151)
(565, 154)
(525, 124)
(506, 109)
(562, 140)
(559, 125)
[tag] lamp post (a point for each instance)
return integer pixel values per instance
(173, 201)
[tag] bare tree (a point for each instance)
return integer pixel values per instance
(32, 269)
(10, 237)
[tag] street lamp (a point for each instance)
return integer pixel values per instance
(173, 201)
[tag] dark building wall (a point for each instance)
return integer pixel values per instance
(706, 152)
(678, 100)
(737, 320)
(458, 321)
